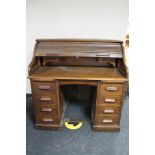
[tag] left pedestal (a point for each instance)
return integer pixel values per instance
(47, 106)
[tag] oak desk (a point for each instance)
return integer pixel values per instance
(97, 63)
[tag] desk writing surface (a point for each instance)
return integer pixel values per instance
(77, 73)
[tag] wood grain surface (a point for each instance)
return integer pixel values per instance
(77, 73)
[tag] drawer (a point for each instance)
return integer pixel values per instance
(46, 119)
(110, 100)
(107, 109)
(44, 98)
(43, 87)
(112, 89)
(107, 120)
(46, 108)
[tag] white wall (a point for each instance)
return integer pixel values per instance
(101, 19)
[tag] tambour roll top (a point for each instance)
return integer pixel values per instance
(81, 48)
(76, 52)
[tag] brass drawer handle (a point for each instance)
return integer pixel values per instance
(46, 109)
(107, 121)
(110, 100)
(47, 120)
(45, 99)
(44, 87)
(111, 88)
(108, 111)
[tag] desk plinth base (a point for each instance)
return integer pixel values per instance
(106, 128)
(48, 127)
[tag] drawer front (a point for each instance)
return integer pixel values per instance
(107, 120)
(111, 89)
(44, 98)
(46, 119)
(43, 87)
(46, 108)
(107, 109)
(110, 100)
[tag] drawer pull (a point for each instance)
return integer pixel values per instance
(47, 120)
(110, 100)
(44, 87)
(46, 109)
(111, 88)
(108, 111)
(107, 121)
(45, 99)
(103, 54)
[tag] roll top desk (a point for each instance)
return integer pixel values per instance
(59, 62)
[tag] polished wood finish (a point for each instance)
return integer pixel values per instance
(111, 88)
(77, 49)
(43, 87)
(108, 109)
(83, 82)
(76, 73)
(67, 62)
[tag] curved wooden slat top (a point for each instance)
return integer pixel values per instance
(79, 47)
